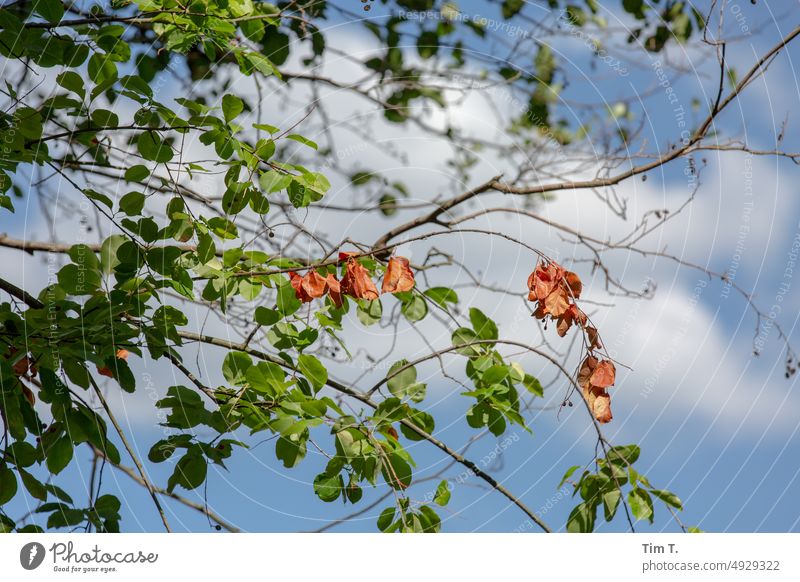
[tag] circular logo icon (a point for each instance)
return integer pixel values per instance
(31, 555)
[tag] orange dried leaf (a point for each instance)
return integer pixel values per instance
(602, 408)
(603, 375)
(574, 283)
(21, 367)
(543, 280)
(571, 316)
(588, 366)
(357, 283)
(557, 303)
(28, 394)
(104, 372)
(314, 284)
(593, 377)
(594, 338)
(334, 290)
(399, 276)
(309, 286)
(297, 283)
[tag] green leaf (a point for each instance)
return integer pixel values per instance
(5, 201)
(354, 492)
(301, 194)
(421, 420)
(362, 178)
(132, 203)
(414, 309)
(581, 519)
(388, 205)
(428, 44)
(267, 377)
(161, 451)
(303, 140)
(152, 148)
(65, 518)
(59, 455)
(634, 7)
(463, 336)
(190, 472)
(386, 518)
(274, 181)
(369, 312)
(8, 485)
(398, 472)
(533, 385)
(32, 484)
(104, 118)
(51, 10)
(624, 454)
(102, 71)
(108, 252)
(72, 81)
(668, 497)
(287, 299)
(327, 487)
(265, 148)
(235, 366)
(442, 495)
(313, 370)
(232, 106)
(84, 257)
(641, 504)
(266, 316)
(107, 506)
(568, 474)
(442, 295)
(431, 522)
(291, 452)
(22, 454)
(402, 381)
(206, 249)
(611, 502)
(137, 173)
(235, 199)
(484, 327)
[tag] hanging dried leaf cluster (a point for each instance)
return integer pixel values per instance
(356, 281)
(555, 290)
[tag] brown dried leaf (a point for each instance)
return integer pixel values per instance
(399, 276)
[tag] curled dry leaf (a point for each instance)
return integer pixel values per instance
(28, 394)
(594, 377)
(555, 289)
(21, 367)
(570, 316)
(594, 338)
(310, 286)
(334, 290)
(399, 276)
(356, 281)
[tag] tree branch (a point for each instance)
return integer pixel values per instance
(361, 397)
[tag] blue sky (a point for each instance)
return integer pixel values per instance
(716, 425)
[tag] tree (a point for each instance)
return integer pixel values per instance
(207, 205)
